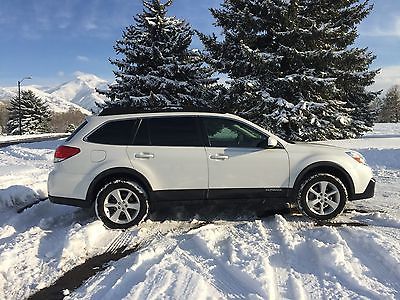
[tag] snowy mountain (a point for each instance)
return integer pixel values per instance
(79, 93)
(6, 94)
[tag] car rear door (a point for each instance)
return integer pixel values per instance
(170, 153)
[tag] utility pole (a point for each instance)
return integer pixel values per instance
(19, 103)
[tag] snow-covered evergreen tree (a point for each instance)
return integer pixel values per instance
(295, 57)
(349, 65)
(157, 69)
(35, 114)
(390, 110)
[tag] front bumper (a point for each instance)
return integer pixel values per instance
(368, 193)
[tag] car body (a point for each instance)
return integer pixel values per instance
(196, 156)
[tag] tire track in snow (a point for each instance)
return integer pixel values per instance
(75, 277)
(122, 240)
(167, 249)
(381, 266)
(155, 249)
(337, 264)
(125, 240)
(114, 278)
(227, 285)
(319, 252)
(284, 235)
(275, 278)
(37, 254)
(228, 279)
(181, 254)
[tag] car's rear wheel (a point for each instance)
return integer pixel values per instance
(322, 196)
(121, 204)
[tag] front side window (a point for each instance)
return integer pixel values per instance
(176, 131)
(114, 133)
(229, 133)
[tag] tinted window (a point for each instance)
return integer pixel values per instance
(229, 133)
(114, 133)
(177, 131)
(142, 135)
(76, 131)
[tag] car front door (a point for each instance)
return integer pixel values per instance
(170, 153)
(240, 163)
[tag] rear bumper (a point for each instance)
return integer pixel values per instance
(64, 184)
(368, 193)
(69, 201)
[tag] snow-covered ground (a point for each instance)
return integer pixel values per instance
(275, 257)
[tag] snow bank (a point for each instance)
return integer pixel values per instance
(17, 196)
(381, 148)
(385, 129)
(29, 137)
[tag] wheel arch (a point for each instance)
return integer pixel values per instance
(113, 174)
(329, 168)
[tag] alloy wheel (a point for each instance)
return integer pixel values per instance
(323, 198)
(121, 206)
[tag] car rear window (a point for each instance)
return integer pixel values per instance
(114, 133)
(76, 130)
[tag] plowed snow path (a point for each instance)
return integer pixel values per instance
(273, 258)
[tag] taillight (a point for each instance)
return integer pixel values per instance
(64, 152)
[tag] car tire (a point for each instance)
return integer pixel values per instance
(121, 204)
(322, 196)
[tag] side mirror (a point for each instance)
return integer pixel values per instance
(268, 143)
(272, 142)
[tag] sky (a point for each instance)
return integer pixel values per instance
(53, 40)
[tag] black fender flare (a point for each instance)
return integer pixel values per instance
(329, 165)
(118, 172)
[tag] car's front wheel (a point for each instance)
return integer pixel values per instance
(121, 204)
(322, 196)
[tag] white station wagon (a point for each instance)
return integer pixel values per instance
(126, 164)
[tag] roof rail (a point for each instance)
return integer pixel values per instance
(133, 110)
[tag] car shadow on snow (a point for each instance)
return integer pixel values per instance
(215, 213)
(234, 212)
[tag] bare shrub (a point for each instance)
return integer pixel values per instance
(66, 121)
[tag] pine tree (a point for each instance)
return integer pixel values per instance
(3, 118)
(156, 68)
(376, 108)
(297, 57)
(244, 55)
(390, 110)
(35, 114)
(349, 65)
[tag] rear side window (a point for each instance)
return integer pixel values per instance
(142, 136)
(177, 131)
(114, 133)
(76, 131)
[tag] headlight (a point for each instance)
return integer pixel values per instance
(357, 157)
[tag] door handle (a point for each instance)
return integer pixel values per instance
(144, 155)
(219, 156)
